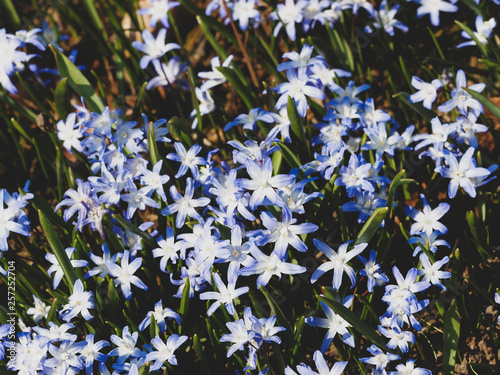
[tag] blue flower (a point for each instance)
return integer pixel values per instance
(380, 359)
(461, 99)
(433, 7)
(185, 205)
(90, 353)
(56, 267)
(288, 14)
(125, 346)
(262, 183)
(159, 314)
(354, 177)
(482, 33)
(169, 74)
(298, 86)
(124, 274)
(302, 61)
(153, 48)
(10, 57)
(284, 233)
(164, 351)
(268, 266)
(158, 11)
(215, 77)
(338, 262)
(250, 121)
(427, 91)
(461, 173)
(372, 271)
(334, 323)
(224, 295)
(137, 199)
(12, 218)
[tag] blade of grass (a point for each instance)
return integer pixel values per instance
(77, 80)
(450, 338)
(58, 249)
(356, 323)
(372, 225)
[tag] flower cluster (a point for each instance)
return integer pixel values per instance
(169, 238)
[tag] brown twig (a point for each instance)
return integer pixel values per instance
(246, 58)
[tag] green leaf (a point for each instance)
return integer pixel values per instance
(451, 336)
(94, 16)
(277, 158)
(200, 353)
(183, 308)
(180, 130)
(295, 120)
(372, 225)
(396, 182)
(417, 107)
(58, 249)
(17, 106)
(132, 228)
(77, 80)
(21, 130)
(479, 233)
(153, 146)
(240, 86)
(473, 36)
(61, 99)
(39, 203)
(52, 312)
(356, 323)
(276, 311)
(10, 11)
(291, 158)
(488, 104)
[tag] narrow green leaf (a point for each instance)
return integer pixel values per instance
(291, 157)
(240, 86)
(276, 311)
(368, 306)
(4, 314)
(295, 120)
(438, 47)
(372, 225)
(10, 10)
(488, 104)
(52, 312)
(77, 80)
(153, 146)
(58, 249)
(39, 203)
(200, 353)
(298, 334)
(90, 328)
(277, 158)
(183, 308)
(356, 323)
(417, 107)
(134, 326)
(180, 129)
(21, 130)
(132, 228)
(396, 181)
(479, 233)
(451, 336)
(17, 106)
(94, 17)
(61, 99)
(404, 69)
(473, 36)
